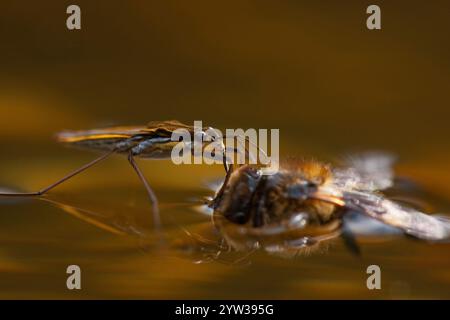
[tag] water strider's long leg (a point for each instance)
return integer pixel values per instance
(219, 195)
(70, 175)
(151, 194)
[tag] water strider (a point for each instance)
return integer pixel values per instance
(149, 142)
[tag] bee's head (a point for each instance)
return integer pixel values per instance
(257, 199)
(278, 212)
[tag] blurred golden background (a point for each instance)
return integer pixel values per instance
(311, 69)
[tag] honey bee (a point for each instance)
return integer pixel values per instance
(305, 203)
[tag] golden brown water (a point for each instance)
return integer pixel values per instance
(312, 70)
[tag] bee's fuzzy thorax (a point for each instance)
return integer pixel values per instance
(311, 170)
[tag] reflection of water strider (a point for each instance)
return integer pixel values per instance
(305, 203)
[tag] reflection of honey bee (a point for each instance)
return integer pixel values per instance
(305, 203)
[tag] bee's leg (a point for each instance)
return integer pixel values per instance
(350, 242)
(151, 194)
(53, 185)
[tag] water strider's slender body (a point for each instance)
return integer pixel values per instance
(151, 142)
(306, 202)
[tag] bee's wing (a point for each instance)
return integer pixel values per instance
(411, 221)
(369, 172)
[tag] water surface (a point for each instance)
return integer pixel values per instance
(312, 70)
